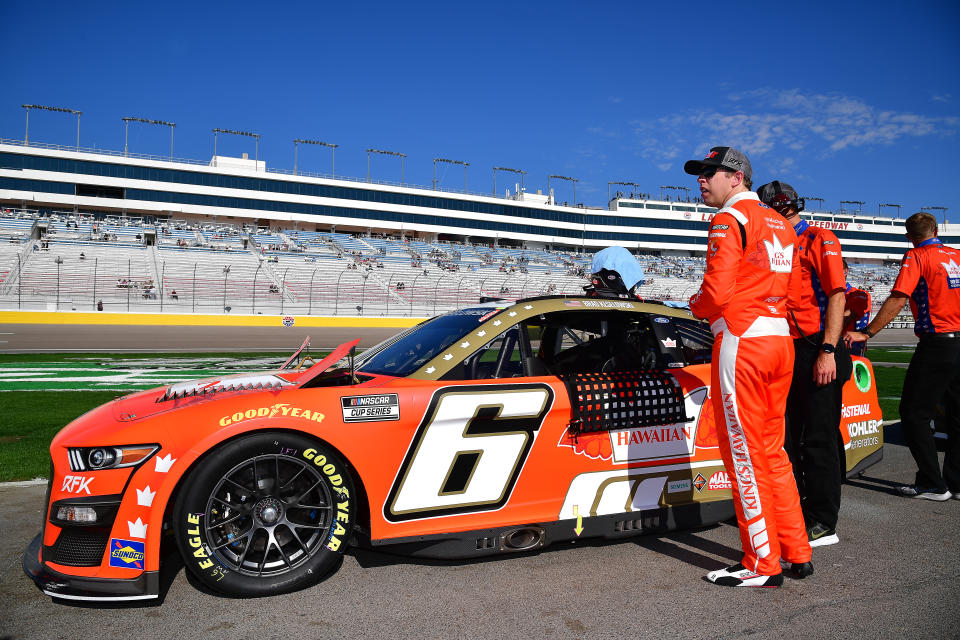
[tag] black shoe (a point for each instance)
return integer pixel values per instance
(738, 576)
(801, 570)
(821, 536)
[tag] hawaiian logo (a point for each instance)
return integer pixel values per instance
(127, 554)
(280, 409)
(781, 258)
(953, 274)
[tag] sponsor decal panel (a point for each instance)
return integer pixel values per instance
(288, 321)
(667, 441)
(375, 408)
(676, 486)
(126, 554)
(699, 482)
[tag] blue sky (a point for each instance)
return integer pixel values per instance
(844, 100)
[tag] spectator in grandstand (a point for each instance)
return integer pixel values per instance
(930, 278)
(173, 295)
(99, 305)
(751, 278)
(856, 313)
(821, 367)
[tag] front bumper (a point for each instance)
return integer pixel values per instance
(58, 585)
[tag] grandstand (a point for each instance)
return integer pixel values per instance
(61, 261)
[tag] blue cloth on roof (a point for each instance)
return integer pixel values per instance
(620, 260)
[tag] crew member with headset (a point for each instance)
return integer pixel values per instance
(930, 278)
(751, 279)
(822, 365)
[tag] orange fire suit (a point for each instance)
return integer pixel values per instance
(751, 281)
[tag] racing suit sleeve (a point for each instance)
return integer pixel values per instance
(724, 253)
(795, 284)
(909, 276)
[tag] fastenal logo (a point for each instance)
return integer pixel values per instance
(861, 376)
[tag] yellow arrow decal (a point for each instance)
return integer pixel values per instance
(579, 528)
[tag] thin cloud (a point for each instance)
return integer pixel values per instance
(765, 121)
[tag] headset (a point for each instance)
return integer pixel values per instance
(781, 201)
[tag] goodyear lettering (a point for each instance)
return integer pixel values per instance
(197, 544)
(281, 408)
(343, 508)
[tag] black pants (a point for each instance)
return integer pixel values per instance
(932, 377)
(813, 439)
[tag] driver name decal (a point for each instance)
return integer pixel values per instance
(376, 408)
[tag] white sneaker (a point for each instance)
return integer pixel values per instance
(912, 491)
(738, 576)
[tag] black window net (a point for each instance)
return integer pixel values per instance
(624, 400)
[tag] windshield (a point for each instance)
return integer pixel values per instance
(404, 354)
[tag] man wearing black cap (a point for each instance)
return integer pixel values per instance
(751, 280)
(821, 367)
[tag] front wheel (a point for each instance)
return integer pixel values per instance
(265, 514)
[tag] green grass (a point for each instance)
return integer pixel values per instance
(30, 420)
(895, 354)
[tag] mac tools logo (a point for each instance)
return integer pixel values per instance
(781, 258)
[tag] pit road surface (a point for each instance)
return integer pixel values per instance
(894, 574)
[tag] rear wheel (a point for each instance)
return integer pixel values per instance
(265, 514)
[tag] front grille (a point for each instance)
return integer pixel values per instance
(80, 547)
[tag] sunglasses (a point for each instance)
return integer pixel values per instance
(712, 171)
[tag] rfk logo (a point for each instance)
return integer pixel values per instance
(781, 258)
(76, 484)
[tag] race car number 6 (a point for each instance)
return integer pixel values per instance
(469, 450)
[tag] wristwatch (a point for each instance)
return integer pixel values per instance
(868, 333)
(826, 347)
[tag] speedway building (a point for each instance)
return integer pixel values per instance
(230, 232)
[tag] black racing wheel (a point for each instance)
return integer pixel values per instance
(264, 514)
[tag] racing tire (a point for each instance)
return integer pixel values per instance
(265, 514)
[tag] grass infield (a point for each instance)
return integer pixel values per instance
(32, 417)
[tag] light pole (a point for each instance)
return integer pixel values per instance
(572, 180)
(255, 136)
(333, 151)
(888, 204)
(460, 162)
(28, 107)
(812, 198)
(859, 204)
(126, 127)
(623, 184)
(520, 171)
(942, 210)
(666, 186)
(386, 153)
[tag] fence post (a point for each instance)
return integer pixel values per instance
(336, 303)
(389, 278)
(310, 308)
(129, 283)
(412, 289)
(194, 296)
(95, 282)
(363, 290)
(19, 283)
(163, 272)
(253, 310)
(283, 289)
(436, 289)
(459, 282)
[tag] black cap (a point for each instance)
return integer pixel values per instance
(725, 157)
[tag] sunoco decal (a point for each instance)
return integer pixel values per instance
(126, 554)
(371, 408)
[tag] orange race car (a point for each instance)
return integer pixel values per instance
(491, 429)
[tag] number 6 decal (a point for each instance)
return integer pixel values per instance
(468, 452)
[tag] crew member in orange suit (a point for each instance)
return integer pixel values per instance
(752, 277)
(930, 278)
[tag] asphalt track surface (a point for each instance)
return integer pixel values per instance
(893, 575)
(32, 338)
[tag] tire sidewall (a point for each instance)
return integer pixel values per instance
(190, 508)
